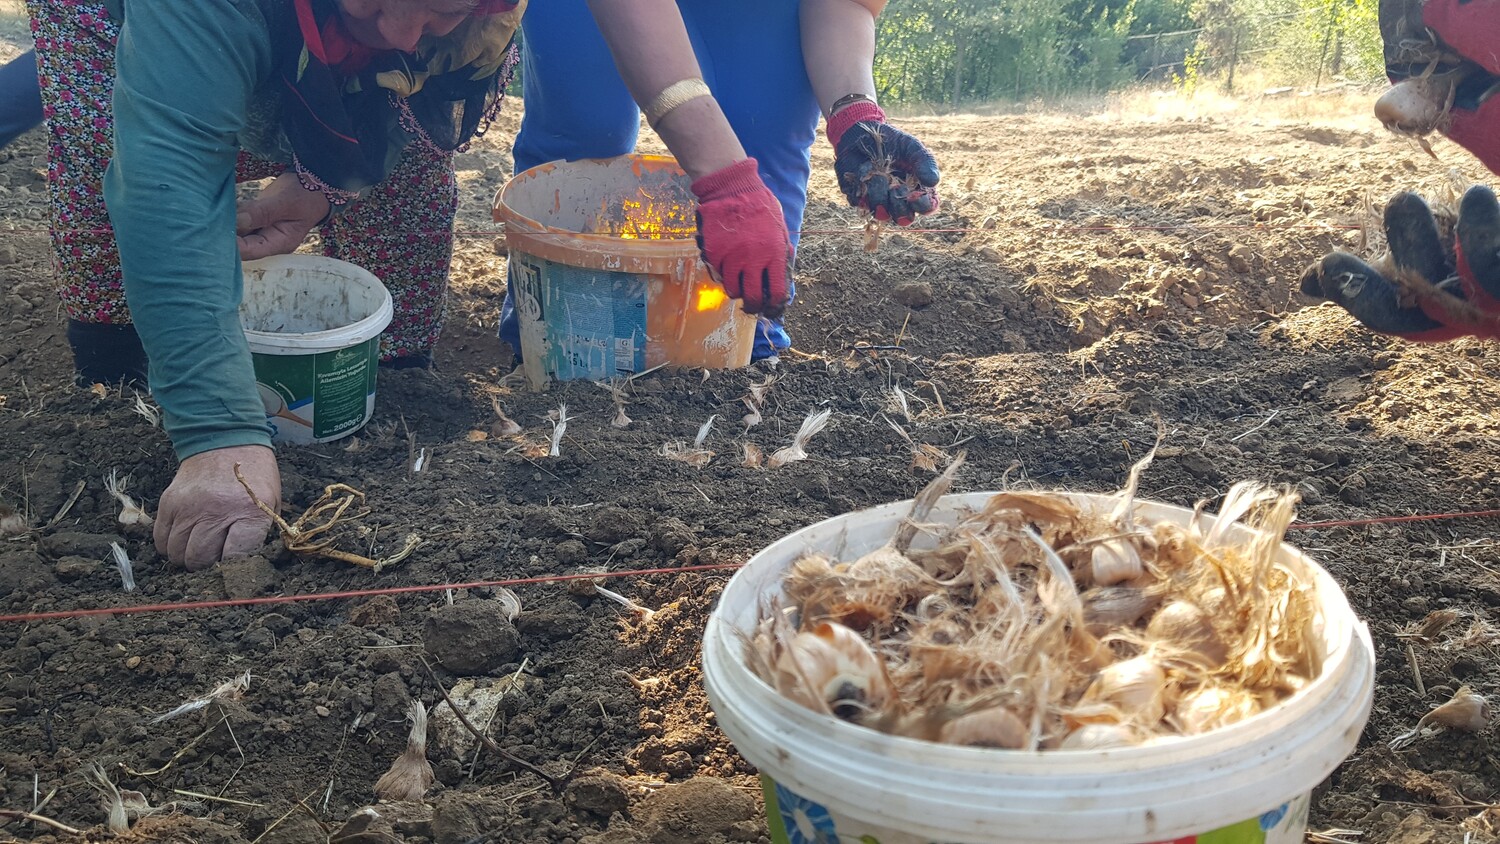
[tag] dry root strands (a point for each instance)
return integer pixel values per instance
(310, 535)
(231, 689)
(147, 411)
(131, 513)
(122, 562)
(559, 419)
(1466, 711)
(411, 774)
(814, 423)
(1039, 622)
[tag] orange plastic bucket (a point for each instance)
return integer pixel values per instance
(605, 274)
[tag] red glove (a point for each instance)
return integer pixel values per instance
(1461, 294)
(742, 235)
(881, 168)
(1451, 40)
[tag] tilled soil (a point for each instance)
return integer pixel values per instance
(1103, 274)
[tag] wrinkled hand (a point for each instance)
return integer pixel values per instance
(205, 515)
(277, 221)
(1433, 286)
(881, 168)
(743, 237)
(1444, 52)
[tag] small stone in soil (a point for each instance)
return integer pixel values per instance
(69, 569)
(470, 637)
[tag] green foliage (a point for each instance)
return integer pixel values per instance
(959, 51)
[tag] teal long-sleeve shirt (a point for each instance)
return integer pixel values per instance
(187, 76)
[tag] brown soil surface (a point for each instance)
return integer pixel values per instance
(1119, 269)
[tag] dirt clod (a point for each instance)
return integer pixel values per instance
(379, 610)
(694, 812)
(599, 793)
(74, 544)
(913, 294)
(461, 817)
(248, 577)
(470, 637)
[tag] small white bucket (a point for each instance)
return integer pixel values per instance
(314, 326)
(830, 781)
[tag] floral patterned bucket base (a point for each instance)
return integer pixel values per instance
(794, 819)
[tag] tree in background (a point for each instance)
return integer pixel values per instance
(952, 52)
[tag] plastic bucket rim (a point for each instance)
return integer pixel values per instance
(328, 339)
(503, 211)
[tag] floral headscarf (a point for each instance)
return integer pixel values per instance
(349, 110)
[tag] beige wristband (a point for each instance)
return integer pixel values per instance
(673, 96)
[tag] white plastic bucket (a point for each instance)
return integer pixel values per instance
(830, 781)
(314, 326)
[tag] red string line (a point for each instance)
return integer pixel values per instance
(892, 230)
(358, 593)
(1391, 520)
(556, 578)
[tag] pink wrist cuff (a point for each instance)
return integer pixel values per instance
(847, 117)
(740, 177)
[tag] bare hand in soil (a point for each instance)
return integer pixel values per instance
(205, 515)
(277, 221)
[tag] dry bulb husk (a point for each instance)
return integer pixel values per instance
(131, 513)
(1040, 622)
(1465, 711)
(116, 818)
(411, 774)
(503, 425)
(696, 455)
(814, 423)
(12, 522)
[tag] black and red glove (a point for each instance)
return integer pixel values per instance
(881, 168)
(1435, 287)
(1457, 41)
(743, 237)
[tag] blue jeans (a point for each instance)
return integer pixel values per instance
(20, 98)
(751, 56)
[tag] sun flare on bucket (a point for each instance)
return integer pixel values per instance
(709, 297)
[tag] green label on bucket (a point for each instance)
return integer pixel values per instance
(580, 323)
(318, 397)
